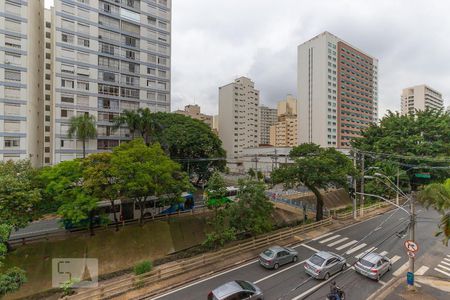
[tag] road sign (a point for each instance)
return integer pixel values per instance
(411, 254)
(411, 246)
(410, 278)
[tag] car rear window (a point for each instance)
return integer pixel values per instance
(269, 253)
(245, 285)
(317, 260)
(366, 263)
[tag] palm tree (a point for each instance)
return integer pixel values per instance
(140, 122)
(437, 195)
(83, 128)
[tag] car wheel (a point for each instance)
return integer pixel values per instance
(294, 259)
(343, 267)
(275, 266)
(390, 267)
(327, 275)
(378, 277)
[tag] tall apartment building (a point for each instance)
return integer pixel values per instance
(21, 94)
(194, 112)
(337, 91)
(420, 97)
(215, 125)
(238, 116)
(267, 117)
(109, 55)
(284, 132)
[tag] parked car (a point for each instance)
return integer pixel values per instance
(373, 265)
(277, 256)
(324, 264)
(236, 290)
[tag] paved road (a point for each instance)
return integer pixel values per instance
(38, 227)
(291, 282)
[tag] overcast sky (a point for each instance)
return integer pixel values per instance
(215, 41)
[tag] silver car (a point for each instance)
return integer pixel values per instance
(324, 264)
(236, 290)
(373, 265)
(276, 256)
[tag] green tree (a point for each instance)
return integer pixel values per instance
(251, 173)
(316, 168)
(99, 180)
(141, 123)
(143, 171)
(377, 185)
(253, 212)
(437, 195)
(192, 143)
(82, 128)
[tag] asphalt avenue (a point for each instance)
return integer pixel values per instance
(378, 234)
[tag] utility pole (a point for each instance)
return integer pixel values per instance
(256, 163)
(362, 186)
(412, 236)
(398, 184)
(276, 159)
(355, 208)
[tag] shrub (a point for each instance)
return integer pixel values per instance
(143, 267)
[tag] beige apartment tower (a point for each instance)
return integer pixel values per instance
(238, 116)
(21, 79)
(267, 117)
(337, 91)
(193, 111)
(420, 97)
(284, 132)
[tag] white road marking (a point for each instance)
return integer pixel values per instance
(310, 248)
(445, 263)
(356, 248)
(337, 242)
(382, 282)
(316, 287)
(365, 252)
(402, 269)
(447, 259)
(394, 259)
(443, 267)
(346, 245)
(445, 273)
(322, 236)
(330, 238)
(421, 270)
(448, 255)
(276, 273)
(383, 253)
(205, 279)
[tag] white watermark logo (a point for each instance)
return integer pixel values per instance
(78, 272)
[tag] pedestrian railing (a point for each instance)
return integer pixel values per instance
(169, 270)
(367, 209)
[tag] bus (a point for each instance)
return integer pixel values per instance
(230, 196)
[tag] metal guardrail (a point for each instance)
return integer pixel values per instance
(47, 236)
(346, 215)
(180, 267)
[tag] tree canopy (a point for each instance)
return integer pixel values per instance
(141, 123)
(316, 168)
(83, 128)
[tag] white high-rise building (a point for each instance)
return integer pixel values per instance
(238, 116)
(337, 91)
(420, 97)
(21, 93)
(108, 56)
(267, 117)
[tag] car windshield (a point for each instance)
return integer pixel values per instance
(245, 285)
(317, 260)
(269, 253)
(366, 263)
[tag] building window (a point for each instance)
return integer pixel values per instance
(67, 83)
(82, 85)
(11, 142)
(83, 42)
(47, 139)
(12, 75)
(48, 24)
(12, 25)
(13, 42)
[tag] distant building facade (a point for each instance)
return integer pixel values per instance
(285, 131)
(267, 117)
(193, 111)
(215, 126)
(238, 116)
(420, 97)
(337, 91)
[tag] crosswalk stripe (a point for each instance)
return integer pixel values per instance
(330, 238)
(421, 270)
(445, 268)
(394, 259)
(346, 245)
(447, 259)
(322, 236)
(448, 255)
(402, 269)
(383, 253)
(365, 252)
(337, 242)
(445, 263)
(356, 248)
(445, 273)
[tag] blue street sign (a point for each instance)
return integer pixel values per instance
(410, 278)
